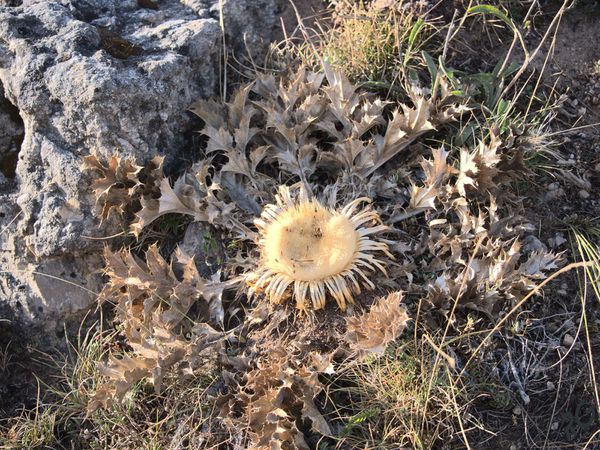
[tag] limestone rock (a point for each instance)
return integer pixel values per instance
(103, 75)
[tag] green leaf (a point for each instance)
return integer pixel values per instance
(359, 418)
(430, 65)
(412, 38)
(489, 9)
(414, 32)
(448, 72)
(503, 107)
(465, 135)
(510, 69)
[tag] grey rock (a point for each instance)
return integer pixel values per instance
(200, 243)
(102, 75)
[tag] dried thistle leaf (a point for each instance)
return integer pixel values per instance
(422, 198)
(438, 170)
(153, 283)
(123, 374)
(468, 171)
(153, 356)
(151, 304)
(115, 186)
(538, 263)
(276, 395)
(491, 279)
(489, 166)
(210, 111)
(185, 197)
(408, 125)
(373, 331)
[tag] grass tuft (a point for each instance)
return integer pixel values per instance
(401, 400)
(377, 48)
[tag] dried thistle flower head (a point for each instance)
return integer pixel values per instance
(316, 249)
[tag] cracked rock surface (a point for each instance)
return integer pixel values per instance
(108, 76)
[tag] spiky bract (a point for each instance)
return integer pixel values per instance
(317, 250)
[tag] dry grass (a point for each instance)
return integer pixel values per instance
(400, 400)
(5, 358)
(586, 246)
(377, 48)
(175, 418)
(596, 68)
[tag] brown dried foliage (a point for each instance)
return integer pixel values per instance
(276, 394)
(114, 185)
(120, 183)
(151, 303)
(371, 332)
(304, 125)
(457, 225)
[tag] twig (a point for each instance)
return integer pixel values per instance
(530, 57)
(11, 222)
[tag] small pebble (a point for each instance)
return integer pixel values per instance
(550, 386)
(568, 340)
(554, 426)
(517, 411)
(584, 194)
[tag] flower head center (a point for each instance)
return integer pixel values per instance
(308, 242)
